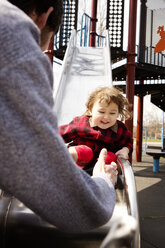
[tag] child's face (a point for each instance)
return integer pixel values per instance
(104, 115)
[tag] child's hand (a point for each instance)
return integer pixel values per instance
(73, 153)
(123, 153)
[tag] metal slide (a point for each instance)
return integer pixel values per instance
(83, 69)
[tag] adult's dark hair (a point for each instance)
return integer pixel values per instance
(41, 6)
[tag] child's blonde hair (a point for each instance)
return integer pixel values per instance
(109, 95)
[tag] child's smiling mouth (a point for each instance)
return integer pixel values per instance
(103, 122)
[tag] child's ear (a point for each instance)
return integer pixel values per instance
(90, 112)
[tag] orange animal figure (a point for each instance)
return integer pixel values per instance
(160, 46)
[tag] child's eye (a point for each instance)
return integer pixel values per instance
(101, 112)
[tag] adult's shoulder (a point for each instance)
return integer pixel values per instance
(13, 17)
(18, 33)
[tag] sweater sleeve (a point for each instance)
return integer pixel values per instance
(35, 165)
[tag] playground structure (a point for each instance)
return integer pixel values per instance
(139, 66)
(143, 70)
(84, 68)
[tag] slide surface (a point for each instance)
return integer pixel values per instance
(83, 69)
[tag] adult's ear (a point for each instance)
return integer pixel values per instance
(41, 20)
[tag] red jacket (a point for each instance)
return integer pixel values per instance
(79, 132)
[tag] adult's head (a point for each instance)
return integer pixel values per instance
(40, 7)
(47, 14)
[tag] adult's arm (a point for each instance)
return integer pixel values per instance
(35, 165)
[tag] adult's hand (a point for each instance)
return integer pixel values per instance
(102, 168)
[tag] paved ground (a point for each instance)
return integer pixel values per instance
(151, 200)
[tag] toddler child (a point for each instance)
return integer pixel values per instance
(99, 128)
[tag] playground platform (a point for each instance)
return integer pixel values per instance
(151, 201)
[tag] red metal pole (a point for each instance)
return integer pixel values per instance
(142, 42)
(139, 131)
(93, 23)
(130, 78)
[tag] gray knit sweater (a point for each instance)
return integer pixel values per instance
(35, 165)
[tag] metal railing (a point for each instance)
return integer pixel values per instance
(145, 138)
(151, 57)
(152, 81)
(85, 30)
(84, 34)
